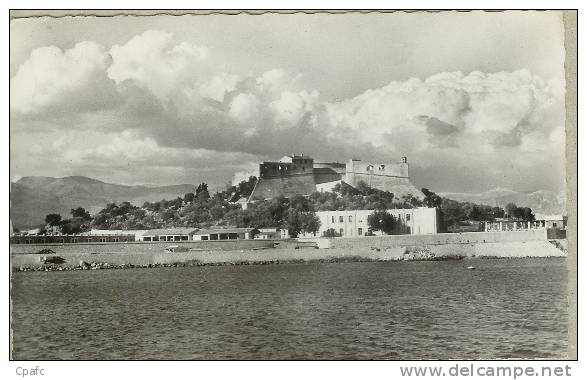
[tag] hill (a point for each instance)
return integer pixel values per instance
(541, 201)
(32, 198)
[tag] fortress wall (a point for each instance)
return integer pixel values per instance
(323, 175)
(336, 166)
(378, 168)
(288, 186)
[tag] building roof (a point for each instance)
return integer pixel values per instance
(171, 231)
(224, 231)
(269, 229)
(539, 216)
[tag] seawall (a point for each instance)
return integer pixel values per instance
(386, 248)
(437, 239)
(142, 247)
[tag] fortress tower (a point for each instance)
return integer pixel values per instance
(393, 177)
(292, 175)
(299, 175)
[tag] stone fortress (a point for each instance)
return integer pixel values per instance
(300, 175)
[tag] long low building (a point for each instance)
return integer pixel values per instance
(71, 239)
(352, 223)
(170, 234)
(225, 234)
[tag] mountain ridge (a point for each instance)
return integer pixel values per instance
(540, 201)
(33, 197)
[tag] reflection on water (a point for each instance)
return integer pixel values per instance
(396, 310)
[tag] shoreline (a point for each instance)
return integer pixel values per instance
(194, 263)
(449, 252)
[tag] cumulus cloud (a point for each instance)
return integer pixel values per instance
(244, 108)
(53, 78)
(501, 107)
(174, 99)
(219, 86)
(291, 107)
(153, 60)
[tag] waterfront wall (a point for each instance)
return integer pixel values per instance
(513, 244)
(535, 248)
(386, 241)
(141, 247)
(352, 243)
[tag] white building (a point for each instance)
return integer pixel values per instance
(225, 234)
(352, 223)
(553, 221)
(138, 233)
(169, 234)
(272, 233)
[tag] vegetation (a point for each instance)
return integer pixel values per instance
(79, 222)
(201, 209)
(331, 232)
(381, 220)
(455, 215)
(515, 212)
(297, 214)
(54, 260)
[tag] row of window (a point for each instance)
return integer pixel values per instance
(341, 218)
(166, 238)
(359, 231)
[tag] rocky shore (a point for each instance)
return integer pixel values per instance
(72, 261)
(197, 263)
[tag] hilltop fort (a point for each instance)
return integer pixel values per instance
(301, 175)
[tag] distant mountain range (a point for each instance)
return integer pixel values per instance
(32, 198)
(541, 201)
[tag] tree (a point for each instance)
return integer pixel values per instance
(301, 203)
(431, 199)
(524, 213)
(245, 188)
(527, 214)
(331, 232)
(511, 210)
(202, 192)
(189, 197)
(311, 223)
(474, 213)
(80, 212)
(381, 220)
(74, 226)
(53, 219)
(302, 222)
(497, 212)
(410, 201)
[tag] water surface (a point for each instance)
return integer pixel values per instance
(397, 310)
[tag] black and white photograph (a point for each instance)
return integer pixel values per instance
(288, 185)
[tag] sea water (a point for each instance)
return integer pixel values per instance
(506, 308)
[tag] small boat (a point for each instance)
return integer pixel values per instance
(175, 248)
(471, 268)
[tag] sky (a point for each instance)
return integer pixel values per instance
(475, 100)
